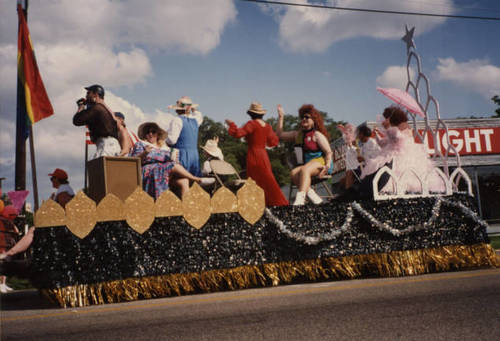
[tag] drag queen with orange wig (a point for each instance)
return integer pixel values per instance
(316, 151)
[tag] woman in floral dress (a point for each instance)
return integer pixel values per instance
(158, 169)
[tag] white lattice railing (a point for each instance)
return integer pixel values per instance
(397, 186)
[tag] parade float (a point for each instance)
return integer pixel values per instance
(120, 250)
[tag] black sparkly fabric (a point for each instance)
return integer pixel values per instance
(114, 251)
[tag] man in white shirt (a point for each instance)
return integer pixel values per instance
(182, 134)
(64, 191)
(368, 146)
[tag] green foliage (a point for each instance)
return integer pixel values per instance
(235, 150)
(496, 100)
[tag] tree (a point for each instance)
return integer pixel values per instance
(496, 100)
(235, 150)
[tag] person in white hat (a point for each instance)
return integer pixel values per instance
(182, 134)
(212, 152)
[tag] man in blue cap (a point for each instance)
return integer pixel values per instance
(101, 121)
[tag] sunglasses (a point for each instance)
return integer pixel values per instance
(306, 117)
(151, 132)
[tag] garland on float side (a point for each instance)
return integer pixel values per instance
(394, 263)
(382, 226)
(310, 240)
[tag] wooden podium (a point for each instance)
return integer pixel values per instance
(111, 174)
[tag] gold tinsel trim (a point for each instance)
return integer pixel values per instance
(396, 263)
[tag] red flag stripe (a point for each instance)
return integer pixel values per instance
(36, 100)
(87, 137)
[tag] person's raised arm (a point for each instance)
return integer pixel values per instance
(82, 115)
(234, 131)
(284, 135)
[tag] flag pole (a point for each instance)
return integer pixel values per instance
(32, 147)
(33, 103)
(33, 169)
(20, 167)
(86, 169)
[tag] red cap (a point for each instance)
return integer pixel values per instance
(59, 174)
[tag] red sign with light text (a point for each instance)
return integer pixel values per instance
(467, 141)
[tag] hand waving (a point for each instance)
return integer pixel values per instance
(281, 112)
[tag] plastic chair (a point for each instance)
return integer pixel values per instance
(225, 169)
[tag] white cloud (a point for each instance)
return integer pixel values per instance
(78, 43)
(476, 75)
(189, 27)
(395, 77)
(315, 29)
(74, 65)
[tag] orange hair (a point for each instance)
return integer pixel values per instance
(316, 117)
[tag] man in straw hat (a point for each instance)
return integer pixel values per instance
(258, 135)
(183, 133)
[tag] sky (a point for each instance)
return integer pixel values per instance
(225, 54)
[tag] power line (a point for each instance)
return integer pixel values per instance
(373, 10)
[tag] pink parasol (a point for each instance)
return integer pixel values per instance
(402, 98)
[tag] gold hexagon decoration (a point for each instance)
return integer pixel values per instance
(251, 201)
(81, 215)
(139, 210)
(224, 201)
(50, 214)
(168, 205)
(196, 206)
(110, 208)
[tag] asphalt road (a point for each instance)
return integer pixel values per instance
(447, 306)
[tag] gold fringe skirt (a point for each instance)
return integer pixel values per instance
(392, 264)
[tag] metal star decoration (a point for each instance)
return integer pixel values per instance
(408, 38)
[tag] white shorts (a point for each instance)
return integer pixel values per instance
(107, 146)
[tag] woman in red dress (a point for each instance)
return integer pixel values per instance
(258, 135)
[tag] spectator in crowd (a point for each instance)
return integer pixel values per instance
(258, 135)
(101, 121)
(8, 234)
(64, 193)
(313, 139)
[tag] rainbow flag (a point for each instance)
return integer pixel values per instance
(33, 102)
